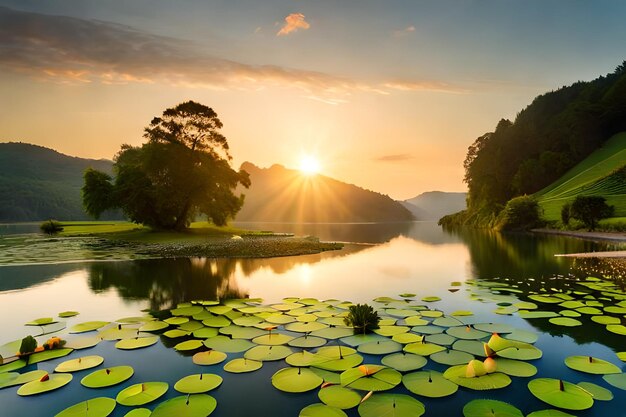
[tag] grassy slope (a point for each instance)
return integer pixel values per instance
(590, 177)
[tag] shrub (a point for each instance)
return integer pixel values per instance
(51, 227)
(566, 213)
(590, 209)
(520, 213)
(362, 318)
(29, 344)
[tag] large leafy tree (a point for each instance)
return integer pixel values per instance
(182, 171)
(590, 210)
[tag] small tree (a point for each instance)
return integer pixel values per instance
(590, 210)
(566, 213)
(520, 213)
(362, 318)
(51, 227)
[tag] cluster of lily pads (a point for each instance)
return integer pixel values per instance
(321, 353)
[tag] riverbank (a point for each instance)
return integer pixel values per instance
(596, 236)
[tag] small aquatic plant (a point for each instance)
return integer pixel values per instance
(362, 318)
(51, 227)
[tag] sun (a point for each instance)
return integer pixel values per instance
(309, 165)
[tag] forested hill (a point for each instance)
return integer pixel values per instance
(553, 134)
(278, 194)
(38, 183)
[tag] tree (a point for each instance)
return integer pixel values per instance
(566, 213)
(520, 213)
(182, 171)
(590, 210)
(362, 318)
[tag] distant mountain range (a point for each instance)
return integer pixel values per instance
(433, 205)
(279, 194)
(38, 183)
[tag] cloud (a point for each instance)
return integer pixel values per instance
(437, 86)
(404, 32)
(394, 158)
(293, 22)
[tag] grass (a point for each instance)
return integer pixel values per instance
(595, 175)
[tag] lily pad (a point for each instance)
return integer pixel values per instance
(225, 344)
(296, 380)
(404, 362)
(137, 343)
(239, 332)
(380, 347)
(337, 364)
(617, 329)
(359, 339)
(490, 408)
(139, 412)
(48, 354)
(241, 365)
(268, 353)
(406, 338)
(591, 365)
(423, 348)
(516, 368)
(209, 357)
(597, 392)
(189, 345)
(560, 394)
(273, 339)
(82, 342)
(565, 321)
(95, 407)
(47, 383)
(198, 405)
(41, 322)
(397, 405)
(467, 333)
(11, 379)
(451, 357)
(371, 378)
(321, 410)
(429, 384)
(617, 380)
(606, 319)
(340, 397)
(88, 326)
(301, 359)
(154, 326)
(332, 333)
(79, 364)
(206, 332)
(458, 375)
(143, 393)
(66, 314)
(307, 342)
(107, 377)
(198, 383)
(549, 413)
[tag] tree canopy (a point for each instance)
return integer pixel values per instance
(590, 210)
(183, 170)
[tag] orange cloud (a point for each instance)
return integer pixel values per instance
(402, 85)
(293, 22)
(404, 32)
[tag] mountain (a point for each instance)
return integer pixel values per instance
(433, 205)
(38, 183)
(602, 173)
(279, 194)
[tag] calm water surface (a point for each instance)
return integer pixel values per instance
(384, 260)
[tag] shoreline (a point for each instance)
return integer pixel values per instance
(618, 237)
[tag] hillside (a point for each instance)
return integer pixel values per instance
(602, 173)
(38, 183)
(433, 205)
(278, 194)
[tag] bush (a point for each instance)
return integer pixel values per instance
(29, 344)
(520, 213)
(51, 227)
(566, 213)
(590, 210)
(362, 318)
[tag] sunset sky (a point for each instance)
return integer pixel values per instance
(387, 94)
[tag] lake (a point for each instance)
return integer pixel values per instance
(377, 260)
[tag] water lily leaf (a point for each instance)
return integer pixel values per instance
(458, 375)
(560, 394)
(335, 352)
(88, 326)
(473, 347)
(589, 310)
(175, 333)
(401, 312)
(154, 326)
(333, 333)
(321, 410)
(41, 322)
(79, 364)
(371, 378)
(44, 384)
(617, 329)
(404, 362)
(216, 321)
(107, 377)
(591, 365)
(427, 329)
(273, 339)
(198, 405)
(188, 345)
(390, 331)
(429, 384)
(545, 299)
(198, 383)
(451, 357)
(565, 321)
(11, 379)
(597, 392)
(493, 327)
(423, 348)
(431, 313)
(467, 333)
(301, 359)
(186, 311)
(525, 314)
(570, 313)
(206, 332)
(48, 354)
(440, 339)
(617, 380)
(522, 336)
(136, 343)
(191, 326)
(239, 332)
(447, 322)
(82, 342)
(175, 321)
(296, 380)
(549, 413)
(380, 347)
(606, 319)
(415, 321)
(460, 313)
(246, 320)
(268, 353)
(359, 339)
(67, 314)
(526, 305)
(300, 327)
(209, 357)
(431, 298)
(340, 397)
(140, 394)
(490, 408)
(514, 367)
(225, 344)
(139, 412)
(241, 365)
(406, 338)
(621, 356)
(572, 304)
(307, 342)
(397, 405)
(95, 407)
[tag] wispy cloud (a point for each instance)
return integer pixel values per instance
(404, 32)
(293, 22)
(405, 85)
(394, 158)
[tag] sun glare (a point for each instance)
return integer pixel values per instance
(309, 165)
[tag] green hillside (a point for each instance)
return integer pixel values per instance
(602, 173)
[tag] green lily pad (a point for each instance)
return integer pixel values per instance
(239, 332)
(332, 333)
(272, 339)
(175, 320)
(198, 405)
(11, 379)
(536, 314)
(591, 365)
(247, 321)
(79, 364)
(616, 380)
(95, 407)
(397, 405)
(621, 356)
(307, 342)
(570, 313)
(390, 331)
(41, 322)
(301, 359)
(404, 362)
(560, 394)
(406, 338)
(520, 335)
(137, 343)
(268, 353)
(431, 299)
(371, 378)
(241, 365)
(139, 412)
(82, 342)
(299, 327)
(321, 410)
(589, 310)
(335, 352)
(440, 339)
(107, 377)
(428, 329)
(458, 375)
(175, 333)
(429, 384)
(493, 327)
(296, 380)
(225, 344)
(473, 347)
(451, 357)
(216, 321)
(359, 339)
(13, 365)
(48, 354)
(467, 333)
(597, 392)
(53, 381)
(545, 299)
(209, 357)
(380, 347)
(88, 326)
(142, 393)
(401, 312)
(206, 332)
(606, 319)
(198, 383)
(415, 321)
(340, 397)
(617, 329)
(549, 413)
(423, 348)
(431, 313)
(565, 321)
(516, 368)
(154, 326)
(67, 314)
(337, 364)
(189, 345)
(490, 408)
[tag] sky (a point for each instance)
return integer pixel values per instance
(386, 94)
